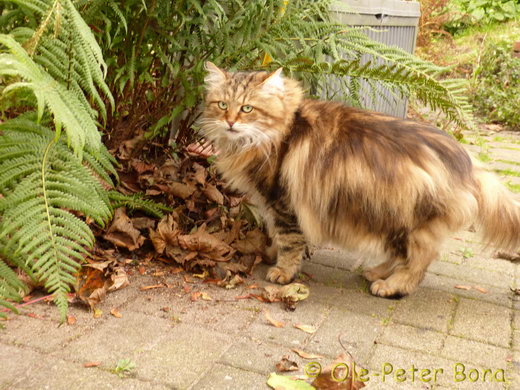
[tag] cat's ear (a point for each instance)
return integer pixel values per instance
(274, 82)
(215, 74)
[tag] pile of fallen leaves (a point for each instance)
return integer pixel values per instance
(209, 230)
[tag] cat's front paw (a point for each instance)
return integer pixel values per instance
(281, 275)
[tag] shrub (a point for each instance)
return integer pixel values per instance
(467, 13)
(496, 85)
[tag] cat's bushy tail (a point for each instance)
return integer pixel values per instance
(499, 212)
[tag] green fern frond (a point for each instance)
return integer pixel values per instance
(45, 187)
(137, 202)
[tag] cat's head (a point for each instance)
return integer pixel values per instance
(248, 108)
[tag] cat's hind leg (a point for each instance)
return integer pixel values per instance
(422, 248)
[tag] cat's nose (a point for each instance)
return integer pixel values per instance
(230, 123)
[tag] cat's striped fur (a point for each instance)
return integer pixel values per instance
(322, 172)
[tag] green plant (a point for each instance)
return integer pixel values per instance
(478, 12)
(51, 63)
(138, 202)
(156, 52)
(496, 85)
(124, 367)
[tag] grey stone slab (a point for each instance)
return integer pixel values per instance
(482, 321)
(476, 353)
(334, 277)
(224, 377)
(56, 374)
(182, 356)
(410, 337)
(258, 355)
(496, 295)
(117, 338)
(358, 332)
(472, 274)
(338, 258)
(40, 334)
(365, 303)
(388, 359)
(486, 261)
(306, 313)
(426, 308)
(15, 363)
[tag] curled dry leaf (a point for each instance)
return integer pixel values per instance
(213, 194)
(71, 320)
(98, 313)
(206, 245)
(91, 364)
(306, 328)
(285, 365)
(339, 375)
(181, 190)
(254, 242)
(276, 324)
(462, 287)
(165, 238)
(122, 233)
(116, 313)
(200, 173)
(119, 279)
(306, 355)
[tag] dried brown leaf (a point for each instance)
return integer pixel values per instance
(151, 287)
(200, 173)
(306, 355)
(339, 375)
(306, 328)
(206, 245)
(277, 324)
(213, 194)
(123, 233)
(462, 287)
(254, 242)
(286, 365)
(71, 320)
(91, 364)
(181, 190)
(116, 313)
(164, 239)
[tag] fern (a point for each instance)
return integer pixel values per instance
(137, 202)
(44, 186)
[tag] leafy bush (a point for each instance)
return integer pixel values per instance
(156, 53)
(476, 12)
(496, 85)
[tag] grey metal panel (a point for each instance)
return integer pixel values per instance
(392, 22)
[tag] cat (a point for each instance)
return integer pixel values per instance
(325, 173)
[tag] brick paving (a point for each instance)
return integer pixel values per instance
(227, 344)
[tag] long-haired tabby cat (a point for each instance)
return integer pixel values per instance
(322, 172)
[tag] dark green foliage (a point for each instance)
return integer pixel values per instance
(156, 52)
(44, 185)
(138, 202)
(496, 85)
(465, 13)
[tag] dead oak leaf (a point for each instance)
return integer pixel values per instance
(164, 238)
(254, 242)
(181, 190)
(122, 233)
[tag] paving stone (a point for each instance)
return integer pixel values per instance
(358, 333)
(55, 374)
(15, 363)
(364, 302)
(229, 378)
(482, 321)
(473, 352)
(472, 274)
(117, 338)
(257, 355)
(40, 334)
(334, 277)
(492, 264)
(410, 337)
(497, 295)
(337, 258)
(181, 356)
(426, 308)
(312, 314)
(392, 359)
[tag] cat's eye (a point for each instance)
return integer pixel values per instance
(247, 108)
(222, 105)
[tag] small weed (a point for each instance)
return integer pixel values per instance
(507, 172)
(467, 253)
(123, 367)
(513, 187)
(484, 157)
(509, 162)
